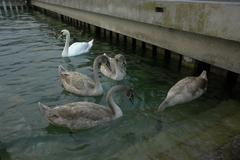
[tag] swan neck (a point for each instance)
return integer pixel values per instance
(95, 72)
(162, 106)
(116, 110)
(66, 47)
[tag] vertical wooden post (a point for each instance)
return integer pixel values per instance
(143, 49)
(230, 82)
(167, 56)
(110, 36)
(180, 62)
(134, 44)
(117, 38)
(200, 66)
(154, 52)
(104, 33)
(98, 31)
(89, 28)
(125, 41)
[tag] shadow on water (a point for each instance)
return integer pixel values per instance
(4, 155)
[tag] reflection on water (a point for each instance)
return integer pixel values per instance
(29, 57)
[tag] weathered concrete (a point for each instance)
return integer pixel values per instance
(206, 31)
(13, 2)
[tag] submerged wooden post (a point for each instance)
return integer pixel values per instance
(11, 8)
(134, 44)
(230, 82)
(117, 38)
(16, 7)
(62, 18)
(143, 49)
(154, 52)
(1, 13)
(110, 36)
(98, 31)
(104, 33)
(125, 41)
(180, 62)
(84, 26)
(89, 28)
(5, 7)
(200, 66)
(167, 56)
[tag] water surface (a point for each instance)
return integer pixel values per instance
(29, 56)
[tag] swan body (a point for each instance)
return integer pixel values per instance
(82, 115)
(81, 84)
(76, 48)
(185, 90)
(118, 67)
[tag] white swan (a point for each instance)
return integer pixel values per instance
(82, 115)
(185, 90)
(117, 65)
(76, 48)
(81, 84)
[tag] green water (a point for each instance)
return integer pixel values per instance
(29, 57)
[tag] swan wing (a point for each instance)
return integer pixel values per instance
(78, 48)
(181, 86)
(77, 80)
(83, 110)
(190, 85)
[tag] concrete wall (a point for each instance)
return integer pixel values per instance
(204, 31)
(214, 19)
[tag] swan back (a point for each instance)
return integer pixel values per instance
(78, 115)
(81, 115)
(81, 84)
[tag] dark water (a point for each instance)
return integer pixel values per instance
(29, 57)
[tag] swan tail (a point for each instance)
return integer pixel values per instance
(91, 42)
(44, 109)
(162, 106)
(203, 74)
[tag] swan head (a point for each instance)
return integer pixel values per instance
(121, 61)
(102, 60)
(63, 32)
(124, 89)
(163, 106)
